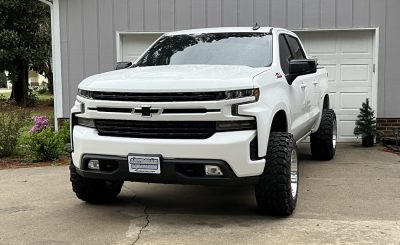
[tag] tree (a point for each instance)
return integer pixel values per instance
(366, 122)
(25, 42)
(43, 65)
(3, 80)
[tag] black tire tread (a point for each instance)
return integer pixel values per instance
(273, 192)
(321, 141)
(93, 190)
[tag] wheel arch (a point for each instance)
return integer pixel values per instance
(326, 102)
(279, 122)
(275, 120)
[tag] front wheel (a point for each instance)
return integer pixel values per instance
(323, 142)
(94, 190)
(276, 192)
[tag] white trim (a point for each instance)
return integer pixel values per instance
(57, 81)
(56, 59)
(119, 40)
(119, 49)
(375, 77)
(375, 52)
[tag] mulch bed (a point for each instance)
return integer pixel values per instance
(386, 149)
(22, 162)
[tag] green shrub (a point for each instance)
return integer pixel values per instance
(42, 89)
(45, 145)
(11, 122)
(40, 142)
(31, 99)
(64, 132)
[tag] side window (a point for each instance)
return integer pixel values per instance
(284, 53)
(296, 48)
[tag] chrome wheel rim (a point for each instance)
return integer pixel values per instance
(294, 173)
(334, 134)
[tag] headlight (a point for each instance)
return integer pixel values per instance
(85, 122)
(237, 94)
(85, 93)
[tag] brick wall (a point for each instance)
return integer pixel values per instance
(386, 125)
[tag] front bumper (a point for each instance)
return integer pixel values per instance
(230, 148)
(173, 171)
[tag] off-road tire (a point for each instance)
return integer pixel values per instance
(322, 146)
(274, 191)
(93, 190)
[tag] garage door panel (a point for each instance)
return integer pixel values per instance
(317, 48)
(352, 101)
(346, 129)
(357, 42)
(353, 72)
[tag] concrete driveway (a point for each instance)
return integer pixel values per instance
(352, 199)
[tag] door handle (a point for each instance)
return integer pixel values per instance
(303, 85)
(315, 82)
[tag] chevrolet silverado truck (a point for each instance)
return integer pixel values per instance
(215, 106)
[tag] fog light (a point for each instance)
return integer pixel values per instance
(94, 165)
(213, 170)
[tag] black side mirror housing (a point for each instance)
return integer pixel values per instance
(123, 65)
(301, 67)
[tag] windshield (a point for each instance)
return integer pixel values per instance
(247, 49)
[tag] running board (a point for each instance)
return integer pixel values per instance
(303, 138)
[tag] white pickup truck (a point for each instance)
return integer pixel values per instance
(217, 106)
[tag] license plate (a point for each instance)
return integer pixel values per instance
(144, 164)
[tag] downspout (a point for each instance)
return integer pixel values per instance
(56, 58)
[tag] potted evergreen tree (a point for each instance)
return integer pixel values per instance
(366, 125)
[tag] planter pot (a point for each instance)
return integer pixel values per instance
(368, 141)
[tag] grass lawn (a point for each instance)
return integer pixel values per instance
(41, 97)
(5, 93)
(44, 105)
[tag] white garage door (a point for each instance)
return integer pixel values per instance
(133, 45)
(348, 57)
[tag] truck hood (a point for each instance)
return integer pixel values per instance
(174, 78)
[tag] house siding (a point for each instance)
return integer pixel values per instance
(88, 30)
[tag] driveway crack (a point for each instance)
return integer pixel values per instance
(147, 216)
(145, 212)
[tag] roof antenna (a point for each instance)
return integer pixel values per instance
(256, 27)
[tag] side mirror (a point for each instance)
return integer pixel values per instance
(122, 65)
(301, 67)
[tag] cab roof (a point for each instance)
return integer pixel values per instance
(221, 30)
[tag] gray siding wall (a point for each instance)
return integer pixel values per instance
(88, 30)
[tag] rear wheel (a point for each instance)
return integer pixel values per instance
(323, 142)
(94, 190)
(276, 192)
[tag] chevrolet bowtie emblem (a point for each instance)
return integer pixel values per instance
(146, 111)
